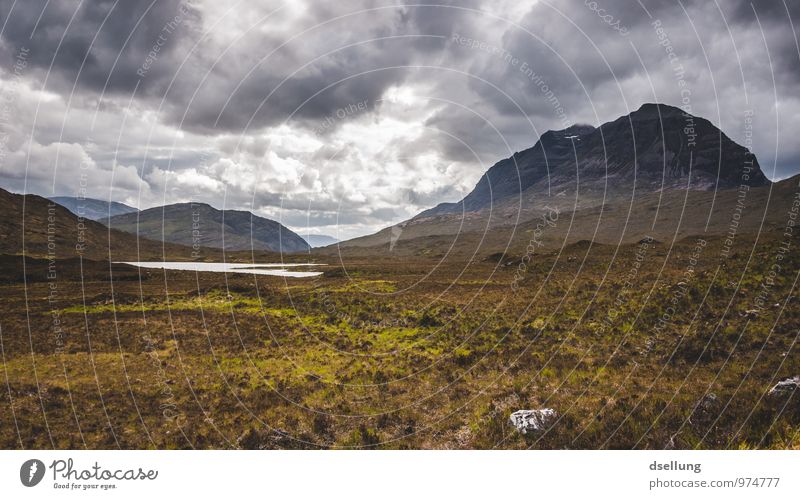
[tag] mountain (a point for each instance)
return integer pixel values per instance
(45, 229)
(657, 171)
(319, 240)
(93, 209)
(656, 147)
(198, 224)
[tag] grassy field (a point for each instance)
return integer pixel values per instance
(646, 345)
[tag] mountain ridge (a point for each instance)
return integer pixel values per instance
(652, 146)
(39, 227)
(200, 224)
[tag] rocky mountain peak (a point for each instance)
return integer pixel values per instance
(657, 147)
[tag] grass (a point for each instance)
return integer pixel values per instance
(260, 362)
(213, 302)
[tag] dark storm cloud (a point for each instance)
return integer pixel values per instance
(101, 44)
(767, 10)
(567, 48)
(329, 62)
(261, 80)
(477, 140)
(262, 97)
(299, 79)
(571, 56)
(572, 48)
(231, 73)
(441, 18)
(777, 17)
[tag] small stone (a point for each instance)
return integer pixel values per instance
(532, 420)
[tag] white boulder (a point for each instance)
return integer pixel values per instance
(532, 420)
(786, 386)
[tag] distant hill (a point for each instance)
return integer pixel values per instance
(45, 229)
(319, 240)
(93, 209)
(201, 224)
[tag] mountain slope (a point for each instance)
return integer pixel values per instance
(650, 147)
(46, 229)
(93, 209)
(671, 215)
(199, 224)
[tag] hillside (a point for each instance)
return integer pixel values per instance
(668, 216)
(198, 224)
(42, 228)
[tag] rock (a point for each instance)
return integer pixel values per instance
(532, 420)
(786, 386)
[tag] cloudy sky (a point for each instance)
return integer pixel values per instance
(344, 117)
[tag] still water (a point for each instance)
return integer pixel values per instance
(276, 269)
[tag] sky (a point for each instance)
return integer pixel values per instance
(342, 118)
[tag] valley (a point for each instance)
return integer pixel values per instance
(634, 312)
(644, 345)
